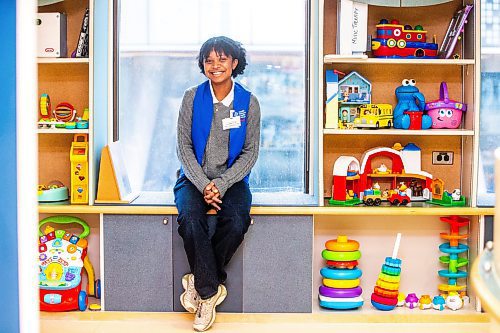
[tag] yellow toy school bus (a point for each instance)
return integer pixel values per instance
(374, 116)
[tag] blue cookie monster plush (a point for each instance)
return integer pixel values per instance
(410, 99)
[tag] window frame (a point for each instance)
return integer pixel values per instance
(310, 195)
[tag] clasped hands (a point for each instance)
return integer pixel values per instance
(211, 195)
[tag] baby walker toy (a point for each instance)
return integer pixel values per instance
(385, 295)
(445, 112)
(61, 258)
(340, 289)
(453, 248)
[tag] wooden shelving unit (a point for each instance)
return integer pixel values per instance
(66, 80)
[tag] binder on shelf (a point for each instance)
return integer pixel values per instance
(344, 27)
(352, 27)
(359, 28)
(114, 185)
(82, 47)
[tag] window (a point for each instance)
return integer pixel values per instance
(158, 44)
(490, 95)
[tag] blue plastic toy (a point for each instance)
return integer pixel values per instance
(340, 274)
(408, 113)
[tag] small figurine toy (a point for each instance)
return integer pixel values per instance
(411, 301)
(425, 302)
(456, 194)
(438, 303)
(453, 301)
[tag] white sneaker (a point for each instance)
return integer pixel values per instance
(190, 297)
(205, 315)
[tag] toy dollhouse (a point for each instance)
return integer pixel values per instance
(354, 90)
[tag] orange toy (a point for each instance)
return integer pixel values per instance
(342, 244)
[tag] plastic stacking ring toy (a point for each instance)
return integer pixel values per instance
(384, 300)
(64, 112)
(393, 262)
(340, 293)
(391, 270)
(340, 256)
(342, 244)
(341, 303)
(340, 306)
(387, 285)
(446, 248)
(340, 274)
(448, 288)
(341, 283)
(342, 264)
(389, 278)
(382, 307)
(448, 274)
(385, 292)
(45, 106)
(340, 300)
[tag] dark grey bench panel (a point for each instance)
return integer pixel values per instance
(234, 283)
(277, 265)
(137, 263)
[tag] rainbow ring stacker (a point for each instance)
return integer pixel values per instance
(387, 285)
(384, 300)
(340, 256)
(342, 264)
(341, 283)
(393, 262)
(391, 270)
(382, 307)
(342, 244)
(340, 303)
(340, 292)
(385, 293)
(389, 278)
(340, 274)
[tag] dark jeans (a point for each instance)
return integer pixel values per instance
(207, 255)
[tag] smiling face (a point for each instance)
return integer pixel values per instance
(218, 68)
(445, 117)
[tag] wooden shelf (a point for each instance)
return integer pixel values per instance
(337, 59)
(361, 210)
(360, 321)
(393, 131)
(63, 60)
(61, 131)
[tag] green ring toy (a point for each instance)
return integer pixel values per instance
(389, 278)
(340, 256)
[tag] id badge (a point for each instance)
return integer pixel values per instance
(234, 120)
